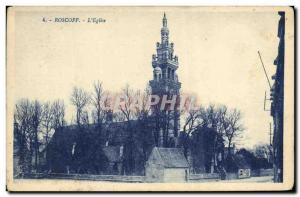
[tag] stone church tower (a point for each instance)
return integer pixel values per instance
(165, 84)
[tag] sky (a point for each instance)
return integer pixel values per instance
(217, 51)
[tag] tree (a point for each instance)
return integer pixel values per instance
(217, 119)
(134, 109)
(264, 151)
(214, 117)
(52, 119)
(47, 121)
(29, 116)
(22, 132)
(32, 121)
(58, 111)
(97, 101)
(142, 109)
(234, 128)
(80, 99)
(127, 106)
(37, 117)
(101, 112)
(191, 121)
(250, 158)
(144, 131)
(202, 147)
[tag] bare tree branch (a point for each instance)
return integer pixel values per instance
(80, 99)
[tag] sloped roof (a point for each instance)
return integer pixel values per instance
(114, 132)
(170, 157)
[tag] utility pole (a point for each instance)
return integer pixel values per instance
(270, 133)
(271, 156)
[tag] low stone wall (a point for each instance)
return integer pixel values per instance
(113, 178)
(230, 176)
(262, 172)
(204, 176)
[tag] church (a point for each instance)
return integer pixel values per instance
(117, 150)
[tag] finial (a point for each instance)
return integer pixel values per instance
(164, 20)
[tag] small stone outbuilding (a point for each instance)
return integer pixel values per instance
(237, 167)
(166, 165)
(243, 168)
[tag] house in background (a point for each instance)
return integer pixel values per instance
(237, 167)
(167, 165)
(277, 97)
(243, 168)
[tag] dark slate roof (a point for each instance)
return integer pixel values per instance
(112, 153)
(172, 157)
(113, 132)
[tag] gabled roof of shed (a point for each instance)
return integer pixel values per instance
(170, 157)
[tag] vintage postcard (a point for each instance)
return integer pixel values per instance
(150, 98)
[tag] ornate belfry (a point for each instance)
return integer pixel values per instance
(166, 86)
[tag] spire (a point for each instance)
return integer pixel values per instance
(165, 20)
(164, 32)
